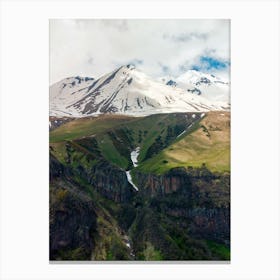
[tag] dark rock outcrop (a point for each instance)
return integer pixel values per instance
(172, 181)
(72, 226)
(197, 197)
(109, 181)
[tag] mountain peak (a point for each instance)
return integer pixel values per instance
(130, 66)
(199, 83)
(125, 91)
(193, 71)
(127, 67)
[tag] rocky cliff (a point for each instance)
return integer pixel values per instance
(178, 213)
(195, 196)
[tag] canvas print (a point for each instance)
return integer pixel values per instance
(139, 140)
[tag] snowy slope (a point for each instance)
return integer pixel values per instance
(125, 91)
(66, 92)
(168, 80)
(206, 85)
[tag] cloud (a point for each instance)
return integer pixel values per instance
(158, 47)
(186, 37)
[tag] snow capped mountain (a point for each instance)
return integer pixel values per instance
(206, 85)
(66, 92)
(168, 80)
(124, 91)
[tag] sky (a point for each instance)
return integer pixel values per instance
(158, 47)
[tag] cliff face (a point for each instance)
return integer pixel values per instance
(194, 197)
(81, 223)
(72, 217)
(108, 180)
(84, 164)
(182, 214)
(72, 226)
(160, 185)
(56, 168)
(208, 223)
(171, 217)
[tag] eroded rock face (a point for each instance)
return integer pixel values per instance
(207, 223)
(72, 225)
(108, 180)
(168, 183)
(56, 168)
(197, 197)
(189, 205)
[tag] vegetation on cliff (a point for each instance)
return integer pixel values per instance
(182, 208)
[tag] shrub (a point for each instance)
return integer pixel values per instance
(61, 194)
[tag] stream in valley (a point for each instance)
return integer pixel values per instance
(134, 158)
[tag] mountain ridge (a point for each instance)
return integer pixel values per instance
(127, 91)
(199, 83)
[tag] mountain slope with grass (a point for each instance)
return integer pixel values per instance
(208, 144)
(181, 209)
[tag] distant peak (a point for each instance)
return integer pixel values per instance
(126, 68)
(130, 66)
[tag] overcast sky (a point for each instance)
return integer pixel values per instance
(158, 47)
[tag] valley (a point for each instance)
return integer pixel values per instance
(139, 141)
(153, 187)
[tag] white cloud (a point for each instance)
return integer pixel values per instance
(95, 47)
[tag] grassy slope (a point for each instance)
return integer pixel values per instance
(192, 149)
(86, 126)
(209, 141)
(141, 131)
(110, 152)
(59, 150)
(153, 125)
(145, 130)
(209, 144)
(219, 250)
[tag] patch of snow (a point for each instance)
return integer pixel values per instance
(134, 155)
(202, 115)
(129, 179)
(193, 116)
(134, 158)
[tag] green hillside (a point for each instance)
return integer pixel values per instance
(208, 144)
(117, 136)
(83, 127)
(177, 214)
